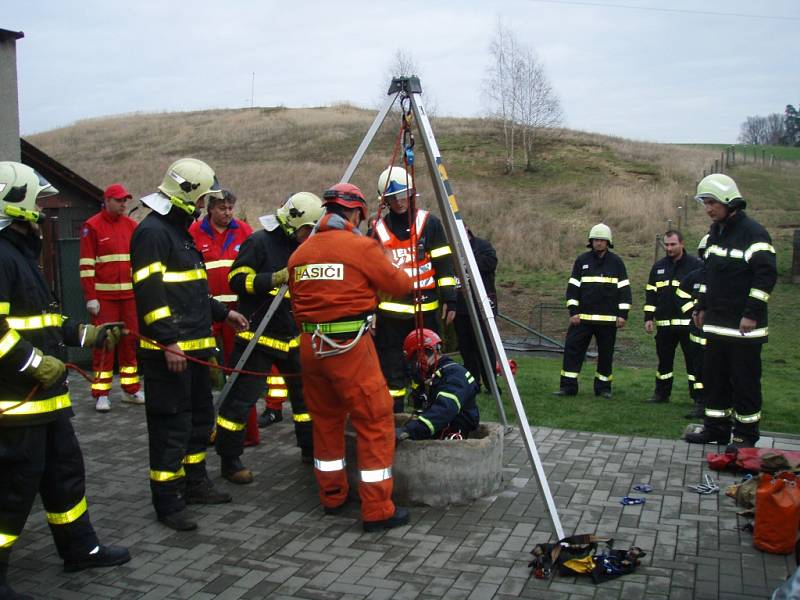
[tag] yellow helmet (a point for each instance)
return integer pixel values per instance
(393, 181)
(299, 210)
(601, 231)
(186, 181)
(718, 187)
(20, 188)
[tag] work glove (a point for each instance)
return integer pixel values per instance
(102, 336)
(216, 374)
(400, 434)
(93, 307)
(49, 371)
(280, 277)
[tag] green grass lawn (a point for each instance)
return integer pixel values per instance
(629, 413)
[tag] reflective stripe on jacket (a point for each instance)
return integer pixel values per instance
(105, 262)
(740, 273)
(661, 304)
(598, 289)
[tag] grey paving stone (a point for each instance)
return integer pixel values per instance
(274, 541)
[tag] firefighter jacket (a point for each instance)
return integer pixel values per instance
(335, 275)
(261, 255)
(598, 289)
(30, 318)
(171, 286)
(687, 296)
(661, 304)
(740, 273)
(430, 263)
(450, 403)
(486, 259)
(219, 251)
(105, 262)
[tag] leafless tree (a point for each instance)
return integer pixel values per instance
(753, 130)
(520, 95)
(776, 129)
(539, 109)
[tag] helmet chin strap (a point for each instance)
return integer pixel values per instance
(32, 216)
(189, 208)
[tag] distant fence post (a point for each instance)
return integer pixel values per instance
(733, 155)
(796, 257)
(722, 162)
(680, 217)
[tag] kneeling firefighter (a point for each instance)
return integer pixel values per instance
(256, 276)
(444, 391)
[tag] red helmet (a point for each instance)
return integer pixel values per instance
(347, 195)
(412, 344)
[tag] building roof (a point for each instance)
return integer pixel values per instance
(6, 35)
(56, 173)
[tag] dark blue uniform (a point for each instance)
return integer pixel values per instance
(450, 403)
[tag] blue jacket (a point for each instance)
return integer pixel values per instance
(451, 397)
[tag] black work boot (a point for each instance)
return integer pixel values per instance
(234, 471)
(204, 492)
(604, 394)
(269, 416)
(400, 517)
(565, 392)
(106, 556)
(307, 456)
(658, 398)
(740, 441)
(179, 521)
(706, 436)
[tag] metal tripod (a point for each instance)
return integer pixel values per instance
(467, 268)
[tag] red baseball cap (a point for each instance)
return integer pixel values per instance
(116, 191)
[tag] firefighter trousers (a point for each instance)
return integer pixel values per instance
(46, 459)
(390, 333)
(732, 372)
(338, 386)
(103, 361)
(246, 391)
(180, 415)
(667, 340)
(575, 346)
(469, 349)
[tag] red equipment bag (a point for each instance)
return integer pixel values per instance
(777, 513)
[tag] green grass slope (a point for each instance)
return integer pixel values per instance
(537, 220)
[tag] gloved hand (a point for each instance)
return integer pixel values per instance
(216, 374)
(400, 434)
(49, 371)
(105, 336)
(280, 277)
(93, 307)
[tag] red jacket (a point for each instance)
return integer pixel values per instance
(336, 274)
(219, 250)
(105, 263)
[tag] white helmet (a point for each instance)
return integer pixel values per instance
(393, 181)
(185, 182)
(721, 188)
(20, 188)
(601, 231)
(299, 210)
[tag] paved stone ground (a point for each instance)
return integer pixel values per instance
(274, 541)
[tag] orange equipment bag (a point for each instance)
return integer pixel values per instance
(777, 513)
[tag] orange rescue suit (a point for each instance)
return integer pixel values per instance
(333, 279)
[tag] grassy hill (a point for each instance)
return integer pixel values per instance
(537, 220)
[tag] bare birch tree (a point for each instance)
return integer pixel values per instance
(538, 108)
(521, 96)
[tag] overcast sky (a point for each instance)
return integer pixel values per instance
(666, 71)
